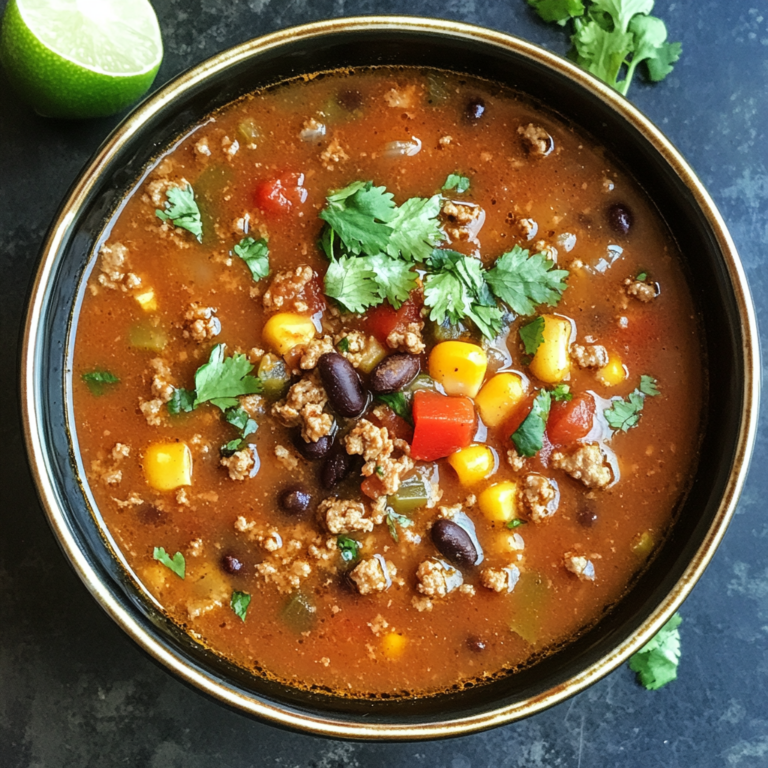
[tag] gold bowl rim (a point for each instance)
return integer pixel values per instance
(328, 725)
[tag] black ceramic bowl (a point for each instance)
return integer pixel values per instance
(719, 286)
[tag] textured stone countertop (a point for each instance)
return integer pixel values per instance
(76, 692)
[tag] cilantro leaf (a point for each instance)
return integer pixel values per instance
(561, 393)
(393, 520)
(660, 64)
(559, 11)
(398, 402)
(622, 11)
(649, 386)
(348, 547)
(602, 52)
(532, 335)
(650, 35)
(181, 400)
(239, 603)
(255, 254)
(515, 523)
(656, 662)
(461, 183)
(222, 380)
(99, 381)
(175, 563)
(233, 446)
(182, 211)
(624, 414)
(415, 228)
(642, 276)
(529, 436)
(343, 344)
(456, 289)
(239, 418)
(358, 215)
(524, 282)
(352, 283)
(395, 279)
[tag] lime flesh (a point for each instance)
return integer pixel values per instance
(80, 58)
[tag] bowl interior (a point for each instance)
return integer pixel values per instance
(453, 47)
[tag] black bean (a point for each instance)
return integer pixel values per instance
(586, 516)
(149, 514)
(295, 499)
(231, 564)
(453, 542)
(476, 644)
(314, 450)
(620, 218)
(475, 109)
(336, 467)
(342, 384)
(350, 99)
(394, 373)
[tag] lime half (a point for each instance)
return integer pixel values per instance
(80, 58)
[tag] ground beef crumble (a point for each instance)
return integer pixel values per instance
(539, 496)
(461, 221)
(407, 338)
(641, 290)
(304, 406)
(200, 323)
(589, 356)
(239, 464)
(536, 140)
(432, 581)
(373, 574)
(587, 463)
(287, 290)
(344, 516)
(375, 446)
(580, 566)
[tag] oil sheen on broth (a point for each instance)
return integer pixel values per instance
(431, 489)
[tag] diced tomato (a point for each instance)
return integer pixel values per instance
(382, 320)
(372, 487)
(396, 425)
(571, 421)
(279, 194)
(442, 425)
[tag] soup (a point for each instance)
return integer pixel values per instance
(387, 382)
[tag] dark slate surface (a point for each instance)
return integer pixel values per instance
(75, 692)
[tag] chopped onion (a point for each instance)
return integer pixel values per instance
(312, 131)
(401, 148)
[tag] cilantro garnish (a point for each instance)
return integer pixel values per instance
(348, 547)
(529, 436)
(239, 418)
(343, 344)
(416, 228)
(99, 381)
(612, 37)
(175, 563)
(532, 335)
(181, 400)
(649, 385)
(393, 520)
(222, 380)
(398, 402)
(523, 282)
(642, 277)
(182, 211)
(456, 288)
(624, 414)
(352, 282)
(239, 603)
(516, 523)
(255, 254)
(561, 393)
(457, 182)
(656, 662)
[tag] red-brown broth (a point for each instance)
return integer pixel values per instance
(464, 638)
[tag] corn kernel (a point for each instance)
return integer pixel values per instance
(499, 502)
(499, 398)
(473, 463)
(393, 645)
(147, 300)
(552, 363)
(614, 372)
(286, 330)
(459, 367)
(642, 544)
(373, 354)
(168, 465)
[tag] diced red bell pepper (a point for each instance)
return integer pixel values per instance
(382, 320)
(396, 425)
(279, 194)
(571, 421)
(442, 425)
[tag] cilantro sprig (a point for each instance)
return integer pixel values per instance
(349, 548)
(223, 379)
(561, 393)
(176, 563)
(239, 603)
(182, 211)
(99, 381)
(457, 182)
(656, 662)
(613, 37)
(625, 414)
(532, 335)
(393, 520)
(255, 254)
(529, 436)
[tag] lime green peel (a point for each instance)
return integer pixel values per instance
(80, 58)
